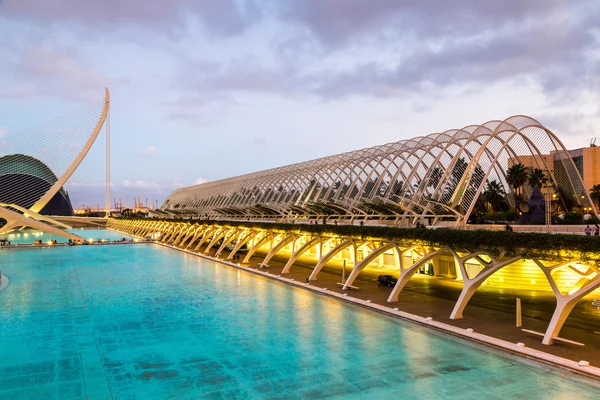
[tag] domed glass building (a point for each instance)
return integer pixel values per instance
(25, 179)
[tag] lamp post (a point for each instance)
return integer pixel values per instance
(548, 201)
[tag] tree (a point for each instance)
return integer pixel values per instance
(595, 194)
(537, 177)
(435, 177)
(459, 169)
(516, 176)
(494, 194)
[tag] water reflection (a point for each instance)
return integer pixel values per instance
(154, 323)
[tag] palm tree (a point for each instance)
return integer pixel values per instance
(516, 176)
(435, 177)
(537, 177)
(595, 194)
(494, 194)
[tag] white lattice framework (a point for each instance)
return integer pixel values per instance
(439, 176)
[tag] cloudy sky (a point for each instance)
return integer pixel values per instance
(207, 89)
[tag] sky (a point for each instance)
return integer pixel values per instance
(207, 89)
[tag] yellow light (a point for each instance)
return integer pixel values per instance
(501, 279)
(533, 281)
(49, 242)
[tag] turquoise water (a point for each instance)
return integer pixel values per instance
(145, 322)
(29, 236)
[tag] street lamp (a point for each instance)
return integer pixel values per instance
(548, 201)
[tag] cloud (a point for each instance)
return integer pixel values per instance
(148, 151)
(200, 181)
(334, 24)
(42, 68)
(398, 49)
(217, 17)
(140, 184)
(268, 61)
(324, 48)
(3, 132)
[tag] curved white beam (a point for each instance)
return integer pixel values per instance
(37, 207)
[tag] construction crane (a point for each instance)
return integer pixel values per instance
(593, 142)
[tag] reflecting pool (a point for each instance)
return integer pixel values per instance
(146, 322)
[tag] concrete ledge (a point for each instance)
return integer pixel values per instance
(4, 281)
(514, 348)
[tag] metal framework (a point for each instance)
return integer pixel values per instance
(436, 179)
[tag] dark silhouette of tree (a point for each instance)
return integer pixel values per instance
(516, 176)
(537, 177)
(435, 177)
(595, 194)
(458, 170)
(494, 194)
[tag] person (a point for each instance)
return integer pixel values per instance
(508, 228)
(596, 229)
(588, 230)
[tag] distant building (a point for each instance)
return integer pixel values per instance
(586, 161)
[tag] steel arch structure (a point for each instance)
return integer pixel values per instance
(436, 178)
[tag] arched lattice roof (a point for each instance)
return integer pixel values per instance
(440, 176)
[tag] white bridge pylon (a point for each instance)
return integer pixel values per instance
(60, 146)
(407, 259)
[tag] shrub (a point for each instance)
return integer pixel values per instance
(571, 218)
